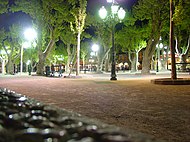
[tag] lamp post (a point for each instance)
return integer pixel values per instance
(117, 14)
(158, 46)
(95, 48)
(30, 35)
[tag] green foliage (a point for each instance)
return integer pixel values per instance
(102, 30)
(11, 42)
(153, 13)
(67, 36)
(79, 14)
(131, 38)
(58, 55)
(30, 54)
(2, 37)
(3, 6)
(181, 16)
(85, 49)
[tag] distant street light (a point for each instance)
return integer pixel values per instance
(95, 48)
(158, 46)
(30, 35)
(117, 14)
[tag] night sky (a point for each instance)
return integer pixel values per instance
(93, 6)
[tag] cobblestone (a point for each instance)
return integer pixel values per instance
(23, 119)
(132, 102)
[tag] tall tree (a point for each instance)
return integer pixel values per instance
(101, 36)
(79, 14)
(11, 44)
(131, 39)
(182, 30)
(85, 50)
(154, 13)
(69, 40)
(48, 21)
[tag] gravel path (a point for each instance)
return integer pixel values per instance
(159, 110)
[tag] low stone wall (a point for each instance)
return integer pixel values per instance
(23, 119)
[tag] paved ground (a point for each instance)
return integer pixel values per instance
(131, 102)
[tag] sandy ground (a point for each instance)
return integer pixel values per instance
(159, 110)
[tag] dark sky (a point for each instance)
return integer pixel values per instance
(9, 18)
(93, 7)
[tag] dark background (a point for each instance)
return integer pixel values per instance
(93, 6)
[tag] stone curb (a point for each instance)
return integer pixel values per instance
(169, 81)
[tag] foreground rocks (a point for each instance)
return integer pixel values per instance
(23, 119)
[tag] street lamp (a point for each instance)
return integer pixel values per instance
(158, 46)
(30, 35)
(117, 14)
(95, 48)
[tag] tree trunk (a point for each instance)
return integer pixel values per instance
(147, 56)
(78, 55)
(103, 61)
(99, 64)
(137, 60)
(133, 63)
(132, 60)
(41, 63)
(10, 67)
(185, 56)
(106, 64)
(69, 58)
(146, 63)
(43, 56)
(163, 64)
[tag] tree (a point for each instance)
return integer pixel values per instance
(79, 14)
(85, 50)
(48, 22)
(182, 33)
(11, 44)
(31, 55)
(101, 36)
(68, 39)
(131, 39)
(154, 14)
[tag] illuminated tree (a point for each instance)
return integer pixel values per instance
(11, 43)
(102, 36)
(79, 14)
(69, 40)
(131, 39)
(154, 14)
(3, 6)
(182, 32)
(48, 22)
